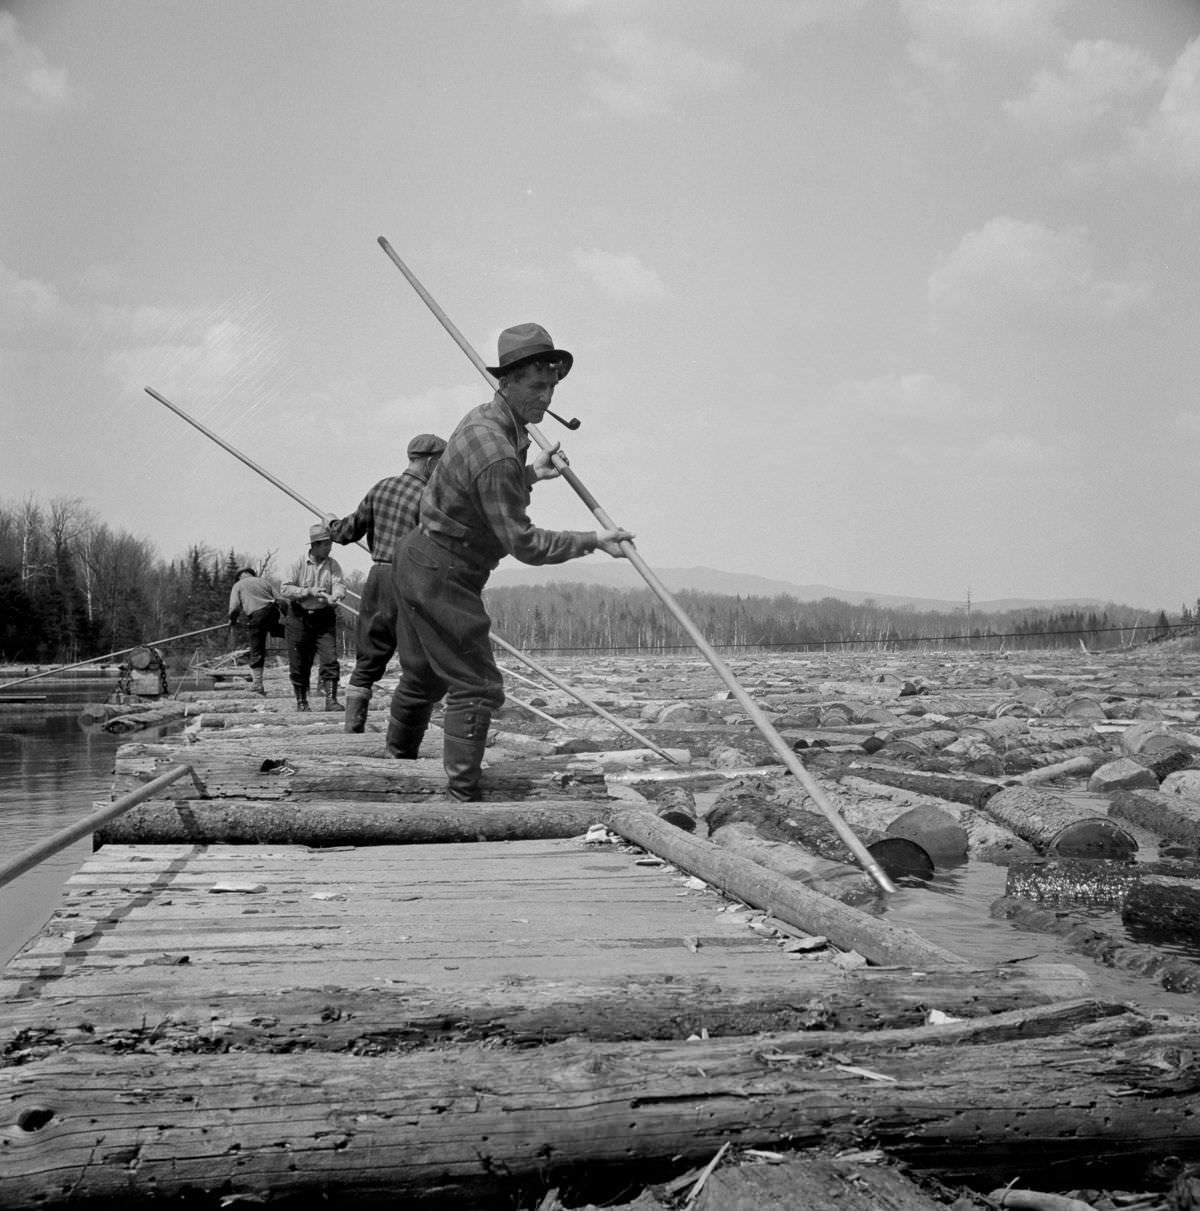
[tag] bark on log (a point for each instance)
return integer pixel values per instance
(1082, 935)
(1040, 817)
(974, 792)
(675, 804)
(751, 801)
(987, 841)
(276, 772)
(838, 880)
(1172, 817)
(1099, 883)
(1082, 763)
(812, 1182)
(382, 1020)
(474, 1126)
(255, 822)
(846, 927)
(1163, 907)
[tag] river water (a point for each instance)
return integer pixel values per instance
(53, 769)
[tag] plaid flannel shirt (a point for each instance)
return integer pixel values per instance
(384, 516)
(479, 493)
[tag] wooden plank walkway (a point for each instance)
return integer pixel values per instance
(467, 1023)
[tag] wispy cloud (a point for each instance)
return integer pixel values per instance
(1170, 139)
(622, 276)
(636, 63)
(26, 299)
(27, 80)
(1092, 79)
(1020, 272)
(1015, 451)
(945, 33)
(912, 397)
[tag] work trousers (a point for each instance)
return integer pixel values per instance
(375, 633)
(312, 633)
(443, 633)
(258, 627)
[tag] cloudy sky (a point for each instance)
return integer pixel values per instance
(890, 295)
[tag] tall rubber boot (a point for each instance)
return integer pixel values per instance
(256, 682)
(406, 730)
(465, 730)
(302, 698)
(331, 698)
(358, 698)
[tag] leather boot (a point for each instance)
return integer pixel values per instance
(465, 738)
(358, 698)
(406, 730)
(331, 698)
(256, 682)
(302, 698)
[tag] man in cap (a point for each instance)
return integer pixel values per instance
(253, 599)
(473, 513)
(384, 516)
(312, 589)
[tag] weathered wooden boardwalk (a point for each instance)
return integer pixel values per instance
(317, 978)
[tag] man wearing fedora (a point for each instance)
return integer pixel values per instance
(473, 513)
(312, 589)
(384, 516)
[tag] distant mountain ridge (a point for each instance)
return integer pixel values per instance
(618, 574)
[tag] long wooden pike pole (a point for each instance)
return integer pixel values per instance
(776, 741)
(537, 668)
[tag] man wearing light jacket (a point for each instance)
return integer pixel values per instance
(312, 590)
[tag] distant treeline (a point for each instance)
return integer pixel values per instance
(578, 617)
(71, 588)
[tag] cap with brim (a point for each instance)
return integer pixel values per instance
(425, 444)
(528, 343)
(319, 533)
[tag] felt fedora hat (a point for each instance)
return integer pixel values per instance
(319, 533)
(528, 343)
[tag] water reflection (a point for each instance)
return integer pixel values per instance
(52, 770)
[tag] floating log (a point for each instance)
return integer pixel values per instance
(935, 830)
(1171, 816)
(155, 716)
(675, 804)
(974, 792)
(255, 822)
(1048, 821)
(987, 841)
(1082, 763)
(1062, 1090)
(1082, 935)
(838, 880)
(1164, 908)
(391, 1018)
(848, 928)
(1100, 883)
